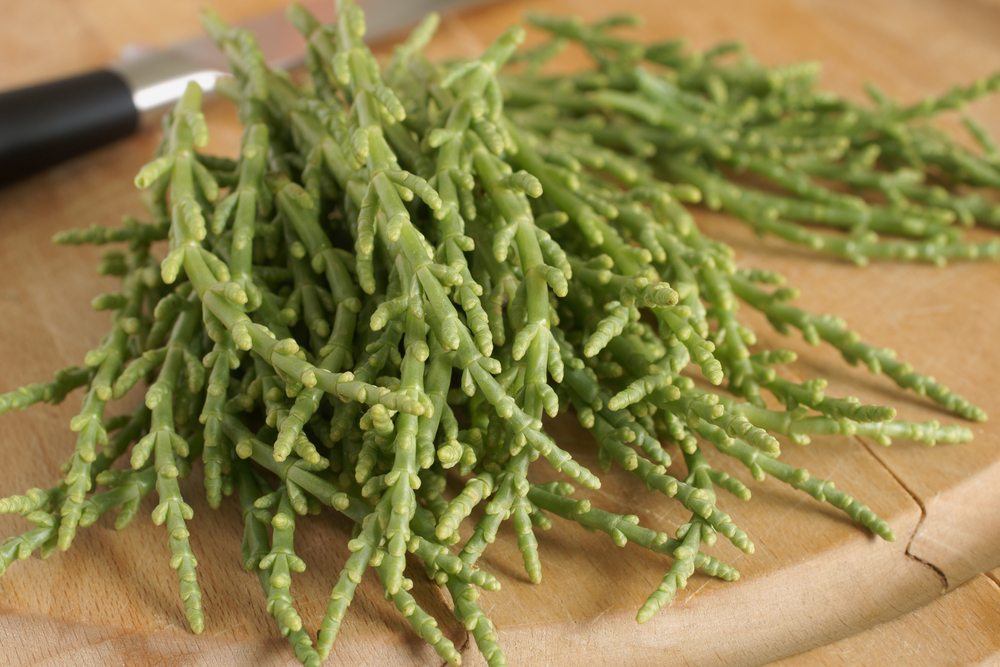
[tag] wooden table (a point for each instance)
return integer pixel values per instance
(817, 586)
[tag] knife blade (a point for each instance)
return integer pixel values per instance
(47, 123)
(157, 78)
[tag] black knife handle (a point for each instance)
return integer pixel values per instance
(45, 124)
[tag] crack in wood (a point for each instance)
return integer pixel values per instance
(920, 522)
(870, 448)
(461, 648)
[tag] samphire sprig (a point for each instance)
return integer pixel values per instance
(386, 232)
(711, 119)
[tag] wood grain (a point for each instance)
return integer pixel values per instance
(957, 629)
(816, 584)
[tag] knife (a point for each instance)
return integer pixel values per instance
(44, 124)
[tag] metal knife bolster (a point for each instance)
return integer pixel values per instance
(158, 78)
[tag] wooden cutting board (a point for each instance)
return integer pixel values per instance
(818, 589)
